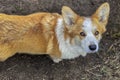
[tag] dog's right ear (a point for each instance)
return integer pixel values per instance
(102, 13)
(69, 15)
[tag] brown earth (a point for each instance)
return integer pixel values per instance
(104, 65)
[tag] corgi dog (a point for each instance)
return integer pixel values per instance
(64, 36)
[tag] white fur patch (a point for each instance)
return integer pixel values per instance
(69, 51)
(90, 38)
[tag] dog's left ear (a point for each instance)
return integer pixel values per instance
(102, 13)
(69, 16)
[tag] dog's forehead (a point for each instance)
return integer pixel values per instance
(88, 24)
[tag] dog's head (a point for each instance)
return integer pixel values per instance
(86, 32)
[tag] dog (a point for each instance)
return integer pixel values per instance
(64, 36)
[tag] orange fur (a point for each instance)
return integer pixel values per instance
(33, 34)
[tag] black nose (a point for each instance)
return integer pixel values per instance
(92, 47)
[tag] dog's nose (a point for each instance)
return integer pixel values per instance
(92, 47)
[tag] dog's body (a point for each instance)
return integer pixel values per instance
(63, 36)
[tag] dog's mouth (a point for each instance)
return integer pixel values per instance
(92, 52)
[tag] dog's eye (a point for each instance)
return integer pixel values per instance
(96, 32)
(82, 34)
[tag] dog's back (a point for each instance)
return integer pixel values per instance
(25, 34)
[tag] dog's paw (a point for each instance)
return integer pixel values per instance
(57, 60)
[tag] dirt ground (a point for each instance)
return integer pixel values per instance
(104, 65)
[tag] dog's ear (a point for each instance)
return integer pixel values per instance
(102, 13)
(69, 16)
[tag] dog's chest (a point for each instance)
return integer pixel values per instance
(70, 51)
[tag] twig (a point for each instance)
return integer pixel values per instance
(92, 69)
(110, 48)
(11, 67)
(94, 73)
